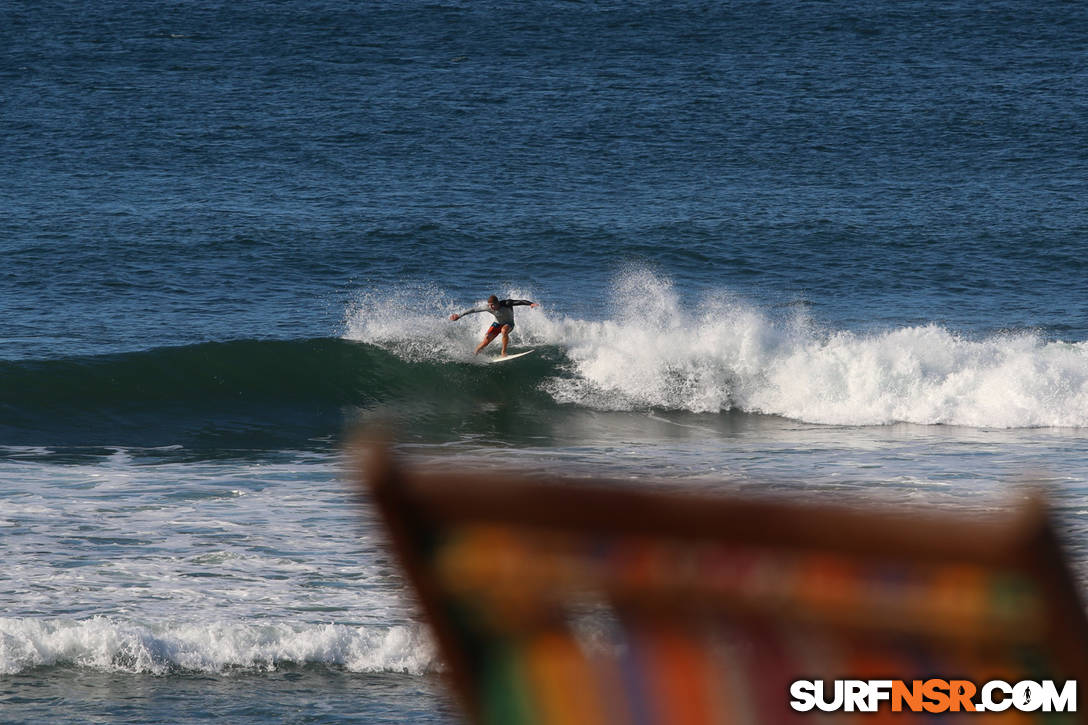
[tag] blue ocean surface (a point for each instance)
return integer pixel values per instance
(799, 249)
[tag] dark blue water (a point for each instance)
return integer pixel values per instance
(231, 230)
(184, 172)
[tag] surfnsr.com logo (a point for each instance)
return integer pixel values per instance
(933, 696)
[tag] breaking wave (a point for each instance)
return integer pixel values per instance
(716, 353)
(654, 350)
(114, 645)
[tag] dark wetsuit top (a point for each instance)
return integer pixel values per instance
(504, 315)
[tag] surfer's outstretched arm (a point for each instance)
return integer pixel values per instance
(455, 317)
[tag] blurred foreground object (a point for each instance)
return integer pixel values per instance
(582, 602)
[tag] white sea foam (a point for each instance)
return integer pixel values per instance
(411, 321)
(111, 644)
(658, 349)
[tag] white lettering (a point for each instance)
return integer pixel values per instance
(855, 696)
(803, 693)
(1028, 696)
(1065, 701)
(991, 705)
(823, 703)
(879, 691)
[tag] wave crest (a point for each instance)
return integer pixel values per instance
(710, 353)
(118, 646)
(656, 348)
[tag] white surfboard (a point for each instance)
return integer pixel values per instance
(507, 358)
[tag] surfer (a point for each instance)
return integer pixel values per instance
(503, 310)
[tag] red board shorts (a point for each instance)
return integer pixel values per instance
(496, 328)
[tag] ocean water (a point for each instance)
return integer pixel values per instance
(798, 249)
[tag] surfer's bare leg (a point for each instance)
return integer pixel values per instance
(491, 333)
(505, 338)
